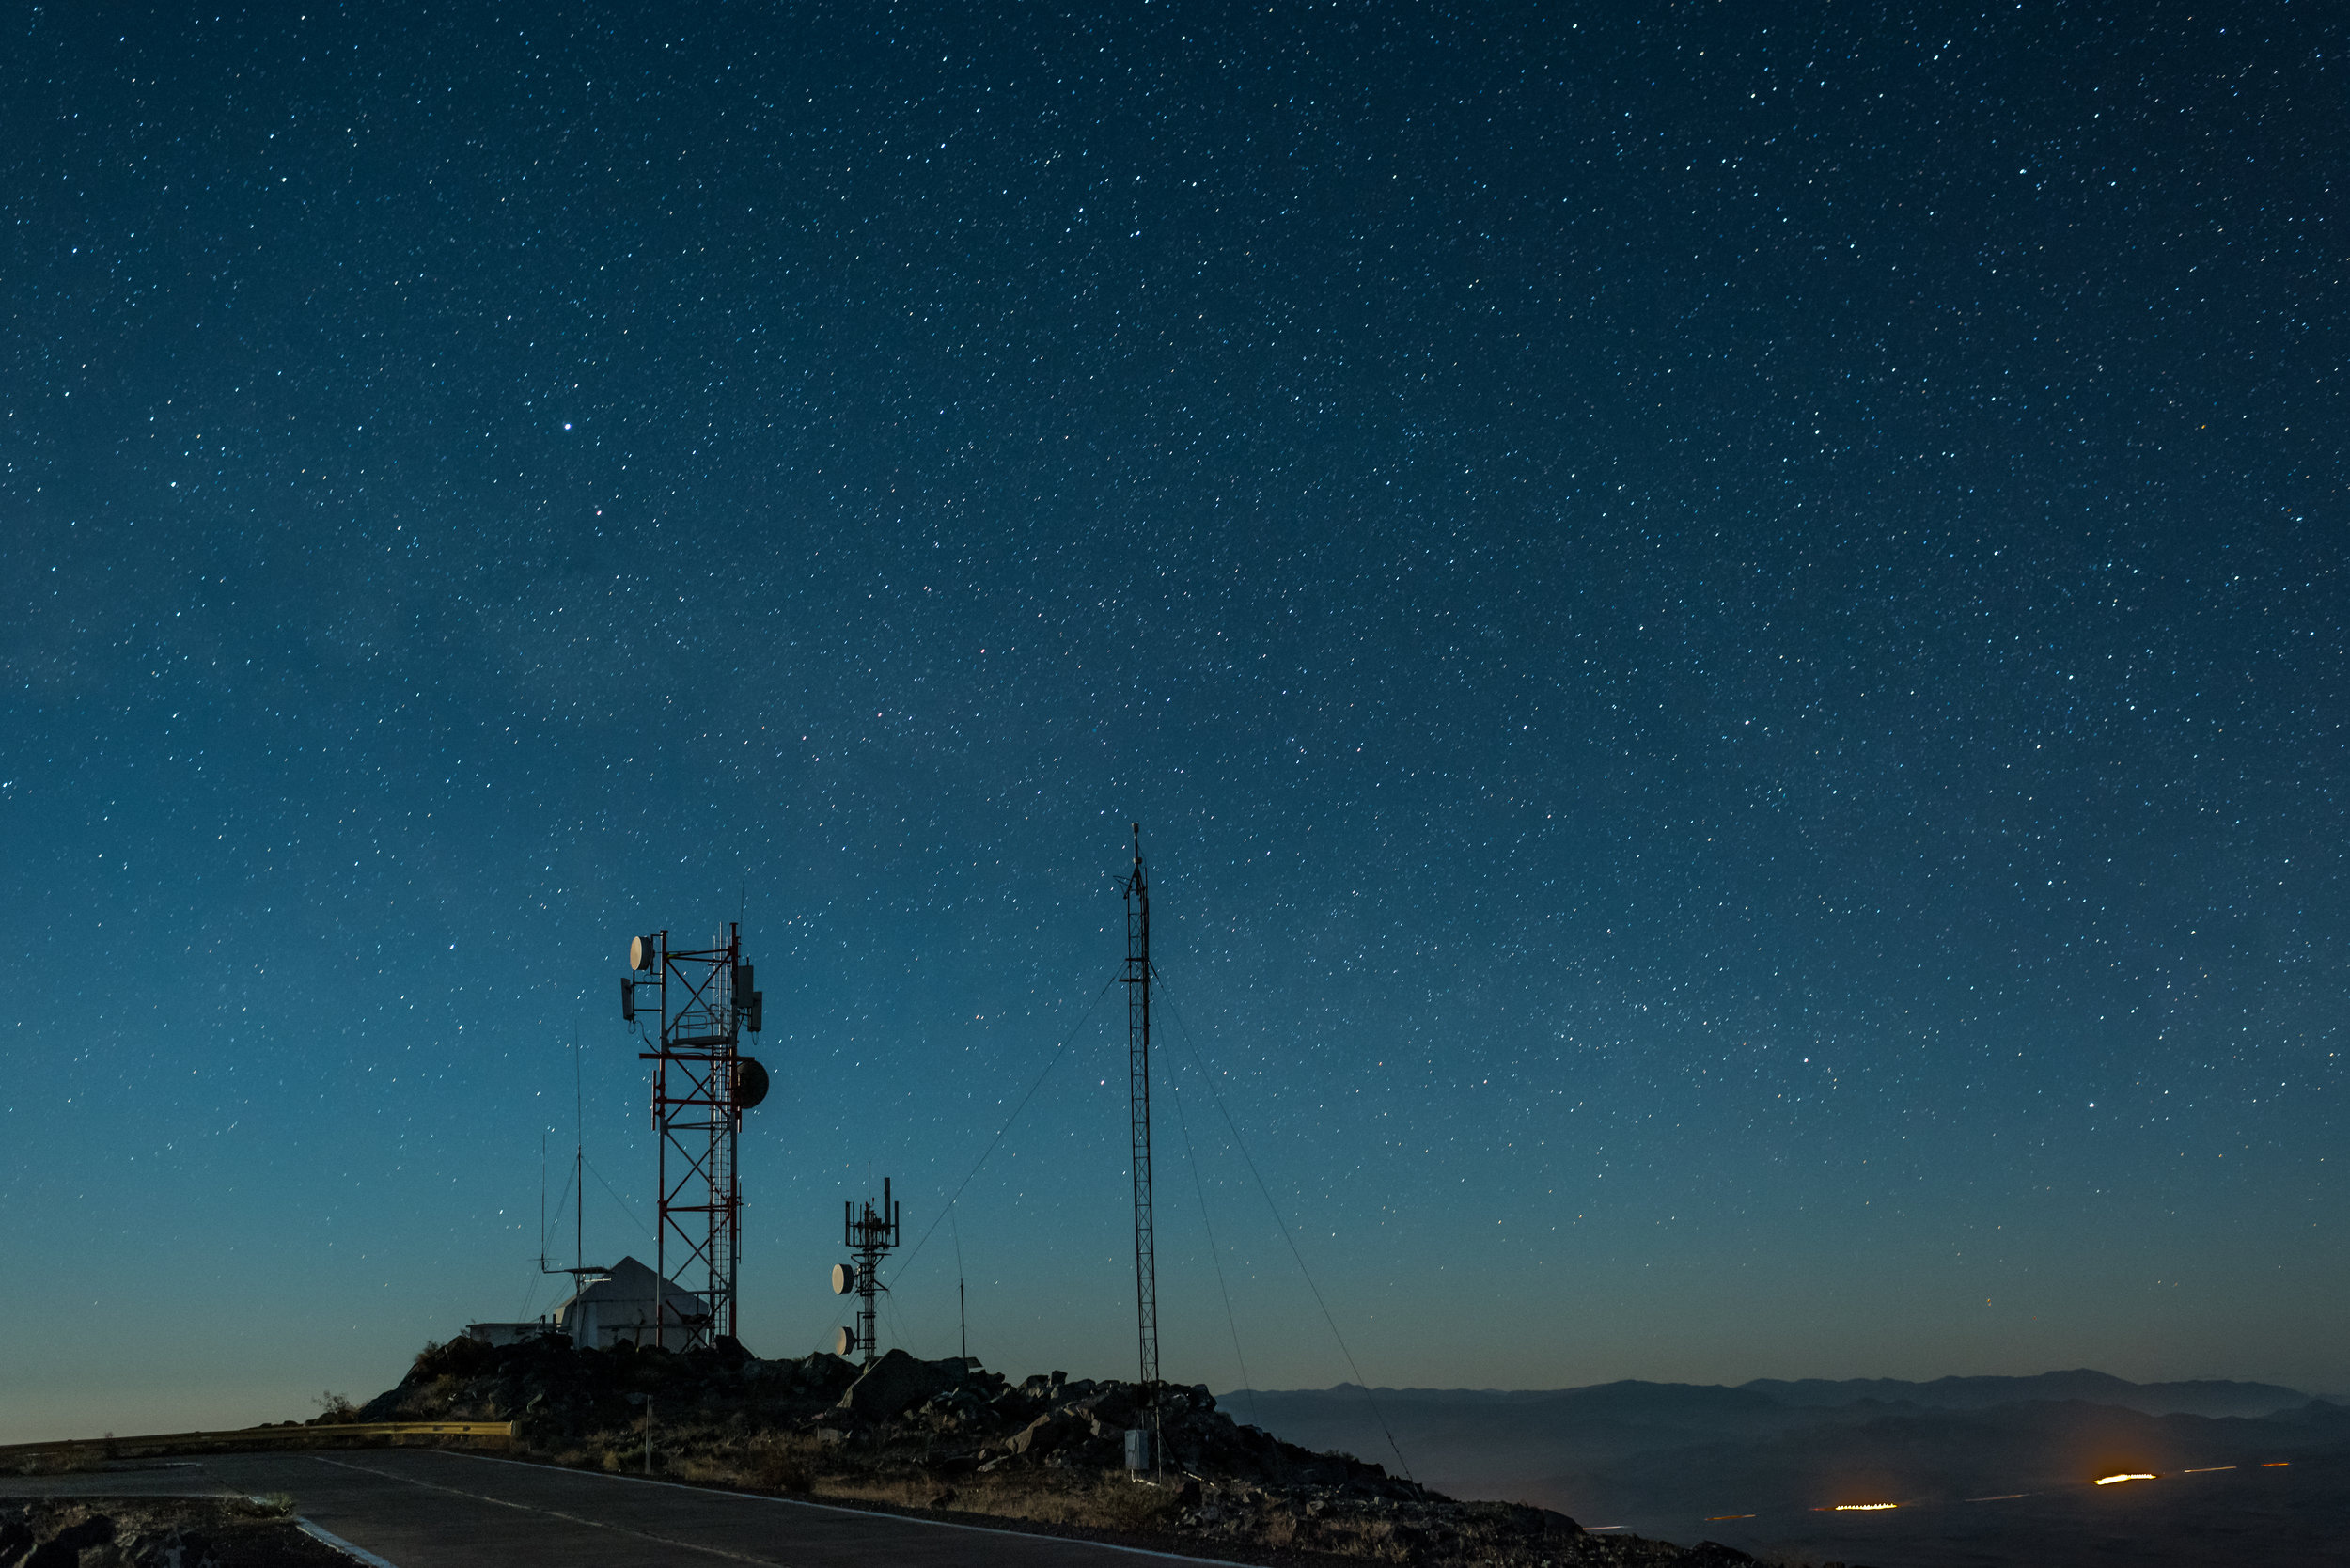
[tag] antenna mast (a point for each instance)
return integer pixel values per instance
(1137, 980)
(579, 1163)
(701, 1085)
(580, 1269)
(870, 1235)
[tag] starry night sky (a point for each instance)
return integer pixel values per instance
(1724, 622)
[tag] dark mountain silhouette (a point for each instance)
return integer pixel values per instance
(1763, 1464)
(2205, 1397)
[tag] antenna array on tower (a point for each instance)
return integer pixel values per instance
(869, 1234)
(702, 1001)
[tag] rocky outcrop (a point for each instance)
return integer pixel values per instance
(926, 1426)
(54, 1533)
(896, 1382)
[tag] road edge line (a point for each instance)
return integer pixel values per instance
(361, 1553)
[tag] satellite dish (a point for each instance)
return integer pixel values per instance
(843, 1279)
(642, 953)
(844, 1341)
(750, 1083)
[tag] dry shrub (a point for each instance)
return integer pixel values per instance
(459, 1358)
(898, 1491)
(1137, 1507)
(779, 1461)
(1111, 1502)
(782, 1464)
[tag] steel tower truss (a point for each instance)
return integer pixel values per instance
(1137, 980)
(701, 1084)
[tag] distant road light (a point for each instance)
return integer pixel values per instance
(1862, 1508)
(2112, 1480)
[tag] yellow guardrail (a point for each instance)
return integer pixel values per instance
(251, 1436)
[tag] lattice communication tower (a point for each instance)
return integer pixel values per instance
(701, 1002)
(869, 1234)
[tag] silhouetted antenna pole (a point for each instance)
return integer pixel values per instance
(963, 1303)
(579, 1163)
(580, 1268)
(1137, 889)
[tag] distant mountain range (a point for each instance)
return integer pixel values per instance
(2202, 1397)
(1665, 1456)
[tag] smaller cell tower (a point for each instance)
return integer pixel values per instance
(869, 1233)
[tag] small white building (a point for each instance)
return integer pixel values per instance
(608, 1308)
(618, 1305)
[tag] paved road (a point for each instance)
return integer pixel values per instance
(430, 1508)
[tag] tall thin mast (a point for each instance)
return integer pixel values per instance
(579, 1271)
(579, 1164)
(1137, 978)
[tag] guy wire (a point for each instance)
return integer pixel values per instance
(1239, 1143)
(1215, 1255)
(1058, 1051)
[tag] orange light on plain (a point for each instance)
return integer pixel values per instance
(1862, 1508)
(2116, 1480)
(2206, 1469)
(2274, 1463)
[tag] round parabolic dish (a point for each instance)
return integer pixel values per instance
(843, 1279)
(750, 1083)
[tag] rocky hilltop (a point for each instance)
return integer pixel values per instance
(952, 1438)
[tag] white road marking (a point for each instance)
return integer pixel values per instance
(342, 1545)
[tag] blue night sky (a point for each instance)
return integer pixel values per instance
(1724, 622)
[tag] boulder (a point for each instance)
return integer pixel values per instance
(64, 1549)
(1046, 1433)
(178, 1549)
(1116, 1407)
(16, 1534)
(895, 1384)
(823, 1376)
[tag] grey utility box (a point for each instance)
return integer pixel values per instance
(1138, 1447)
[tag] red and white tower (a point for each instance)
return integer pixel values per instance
(700, 1001)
